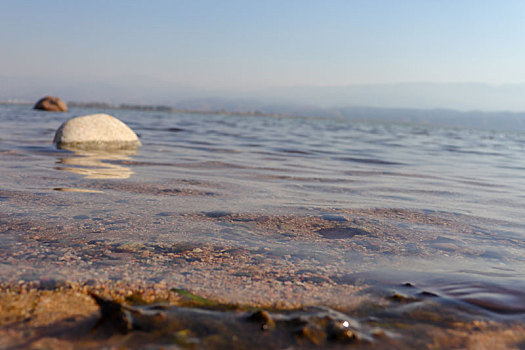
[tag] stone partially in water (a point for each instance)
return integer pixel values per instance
(51, 104)
(222, 326)
(95, 131)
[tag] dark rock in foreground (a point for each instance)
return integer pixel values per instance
(51, 104)
(215, 326)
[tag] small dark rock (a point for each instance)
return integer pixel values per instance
(51, 104)
(343, 334)
(313, 333)
(264, 318)
(113, 314)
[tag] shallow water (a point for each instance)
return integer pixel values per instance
(347, 201)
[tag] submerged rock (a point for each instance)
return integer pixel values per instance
(95, 131)
(217, 326)
(51, 104)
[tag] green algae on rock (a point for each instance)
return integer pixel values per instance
(95, 132)
(219, 327)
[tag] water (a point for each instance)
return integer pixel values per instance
(347, 201)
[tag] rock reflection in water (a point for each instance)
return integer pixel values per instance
(97, 164)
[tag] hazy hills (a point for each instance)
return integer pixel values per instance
(142, 90)
(451, 104)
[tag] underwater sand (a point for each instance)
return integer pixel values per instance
(414, 233)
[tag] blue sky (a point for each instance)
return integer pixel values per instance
(244, 44)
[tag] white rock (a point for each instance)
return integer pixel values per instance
(95, 131)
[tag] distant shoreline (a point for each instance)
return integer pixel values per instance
(487, 120)
(153, 108)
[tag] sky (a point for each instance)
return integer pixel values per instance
(233, 44)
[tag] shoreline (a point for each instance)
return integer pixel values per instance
(68, 317)
(161, 108)
(395, 311)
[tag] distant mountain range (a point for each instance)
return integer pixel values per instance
(142, 90)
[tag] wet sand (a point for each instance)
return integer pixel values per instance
(67, 317)
(57, 263)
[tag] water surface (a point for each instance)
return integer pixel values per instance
(308, 200)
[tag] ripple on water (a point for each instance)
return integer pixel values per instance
(493, 295)
(488, 296)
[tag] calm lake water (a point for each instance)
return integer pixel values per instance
(443, 207)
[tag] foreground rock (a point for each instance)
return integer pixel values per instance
(51, 104)
(95, 132)
(216, 326)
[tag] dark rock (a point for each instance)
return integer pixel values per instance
(114, 314)
(340, 331)
(51, 104)
(264, 318)
(313, 333)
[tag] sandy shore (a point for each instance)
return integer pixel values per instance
(245, 261)
(68, 318)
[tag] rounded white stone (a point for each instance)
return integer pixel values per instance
(95, 131)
